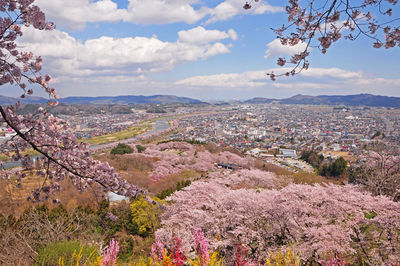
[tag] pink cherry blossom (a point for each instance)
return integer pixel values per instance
(319, 220)
(319, 24)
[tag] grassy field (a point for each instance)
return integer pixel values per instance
(14, 198)
(159, 138)
(121, 135)
(4, 157)
(133, 131)
(298, 178)
(29, 152)
(346, 155)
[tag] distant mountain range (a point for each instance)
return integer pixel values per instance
(30, 99)
(348, 100)
(128, 99)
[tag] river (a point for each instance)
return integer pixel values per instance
(158, 126)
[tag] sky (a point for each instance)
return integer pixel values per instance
(208, 50)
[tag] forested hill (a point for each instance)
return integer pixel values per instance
(127, 99)
(350, 100)
(29, 99)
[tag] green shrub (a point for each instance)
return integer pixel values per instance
(179, 186)
(69, 252)
(312, 158)
(122, 223)
(370, 215)
(166, 193)
(122, 148)
(337, 168)
(182, 184)
(58, 212)
(140, 148)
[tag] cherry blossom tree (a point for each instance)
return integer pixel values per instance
(175, 157)
(318, 24)
(315, 221)
(380, 173)
(62, 155)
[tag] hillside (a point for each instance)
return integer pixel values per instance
(126, 99)
(28, 99)
(78, 109)
(259, 100)
(349, 100)
(131, 99)
(235, 213)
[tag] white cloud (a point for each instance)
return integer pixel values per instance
(315, 81)
(215, 49)
(227, 81)
(200, 35)
(332, 72)
(275, 48)
(382, 81)
(232, 33)
(267, 8)
(163, 12)
(298, 86)
(230, 8)
(65, 55)
(74, 14)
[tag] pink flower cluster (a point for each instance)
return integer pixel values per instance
(110, 254)
(171, 253)
(177, 156)
(157, 252)
(19, 67)
(321, 24)
(319, 220)
(201, 246)
(63, 156)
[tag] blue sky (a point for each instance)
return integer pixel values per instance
(209, 50)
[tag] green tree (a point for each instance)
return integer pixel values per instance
(140, 148)
(312, 158)
(378, 134)
(121, 148)
(338, 167)
(334, 169)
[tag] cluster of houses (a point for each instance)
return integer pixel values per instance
(293, 127)
(5, 133)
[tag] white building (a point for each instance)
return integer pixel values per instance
(287, 153)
